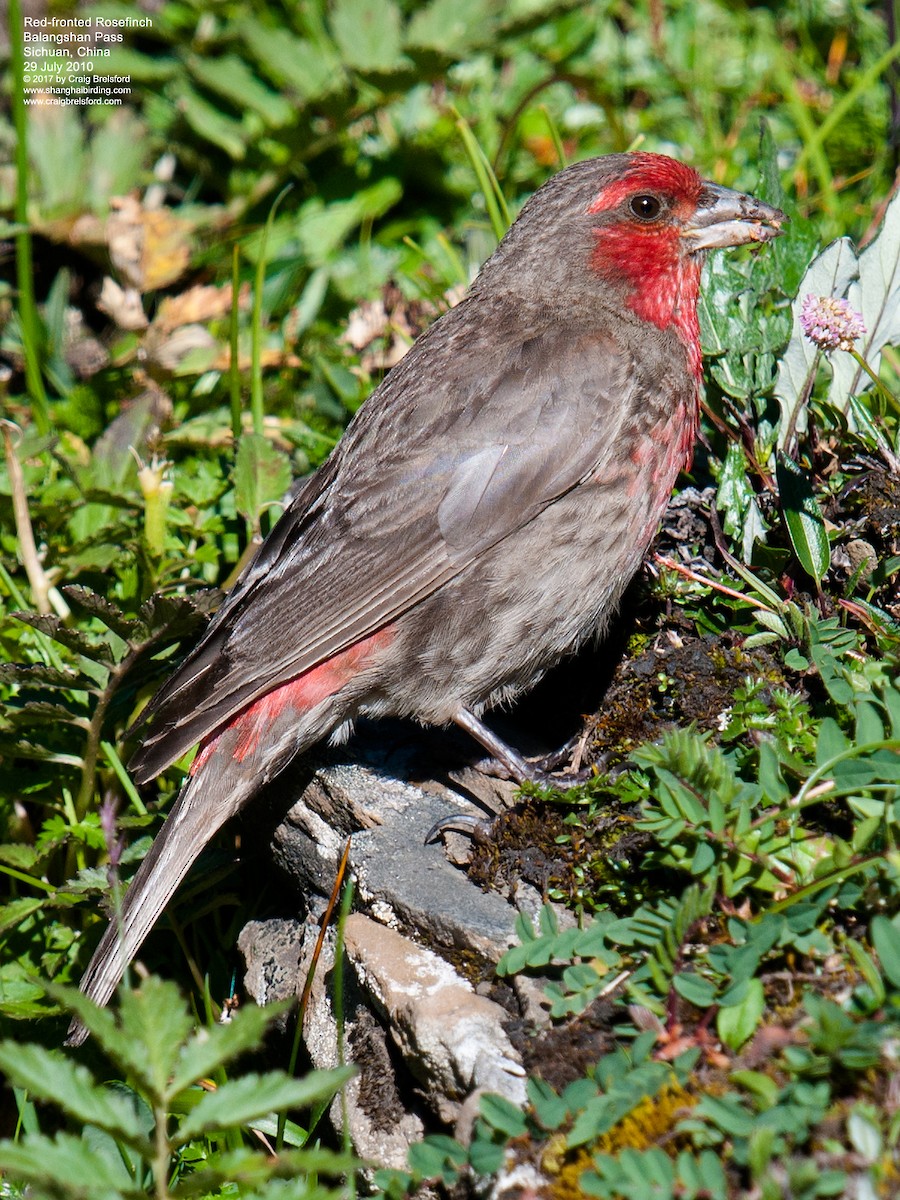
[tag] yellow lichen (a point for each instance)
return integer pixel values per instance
(650, 1123)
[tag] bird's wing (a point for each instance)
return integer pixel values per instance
(366, 538)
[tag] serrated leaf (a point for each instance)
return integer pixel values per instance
(310, 71)
(100, 1022)
(73, 639)
(171, 617)
(244, 1168)
(368, 34)
(829, 274)
(452, 26)
(157, 1022)
(49, 1075)
(143, 68)
(16, 911)
(22, 748)
(40, 1160)
(41, 675)
(803, 518)
(238, 1101)
(230, 76)
(220, 1043)
(44, 712)
(104, 610)
(211, 123)
(262, 476)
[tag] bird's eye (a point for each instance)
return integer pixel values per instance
(645, 207)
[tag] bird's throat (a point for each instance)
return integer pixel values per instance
(661, 285)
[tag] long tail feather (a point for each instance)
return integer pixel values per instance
(206, 802)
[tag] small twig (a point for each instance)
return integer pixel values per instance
(41, 589)
(672, 565)
(310, 975)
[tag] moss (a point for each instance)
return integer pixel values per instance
(650, 1123)
(673, 680)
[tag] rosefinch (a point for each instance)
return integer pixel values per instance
(479, 519)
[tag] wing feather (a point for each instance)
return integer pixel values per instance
(369, 536)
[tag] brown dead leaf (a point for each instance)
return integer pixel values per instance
(390, 325)
(150, 249)
(122, 305)
(198, 304)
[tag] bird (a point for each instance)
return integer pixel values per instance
(478, 520)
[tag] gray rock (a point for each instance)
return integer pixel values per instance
(452, 1039)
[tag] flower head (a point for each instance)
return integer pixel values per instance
(829, 323)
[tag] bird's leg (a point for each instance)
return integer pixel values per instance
(519, 770)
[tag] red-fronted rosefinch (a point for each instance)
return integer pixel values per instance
(479, 519)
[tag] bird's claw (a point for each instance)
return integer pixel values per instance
(463, 823)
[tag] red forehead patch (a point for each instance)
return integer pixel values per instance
(655, 173)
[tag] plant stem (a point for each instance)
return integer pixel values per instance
(880, 387)
(256, 387)
(234, 371)
(28, 314)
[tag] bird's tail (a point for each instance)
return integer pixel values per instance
(207, 801)
(231, 766)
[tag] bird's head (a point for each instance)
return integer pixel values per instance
(652, 224)
(629, 232)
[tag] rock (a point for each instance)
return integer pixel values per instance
(452, 1039)
(271, 951)
(402, 880)
(419, 1033)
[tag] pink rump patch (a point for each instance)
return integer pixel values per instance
(301, 694)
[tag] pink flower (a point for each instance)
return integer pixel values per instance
(829, 323)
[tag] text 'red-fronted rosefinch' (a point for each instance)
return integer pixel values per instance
(479, 519)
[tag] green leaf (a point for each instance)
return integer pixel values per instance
(737, 1023)
(262, 476)
(503, 1115)
(49, 1075)
(100, 1022)
(65, 1165)
(220, 1043)
(239, 1101)
(230, 77)
(736, 500)
(803, 518)
(290, 61)
(368, 34)
(437, 1156)
(452, 26)
(322, 228)
(886, 940)
(211, 123)
(695, 989)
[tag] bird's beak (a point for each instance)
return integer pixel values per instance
(727, 218)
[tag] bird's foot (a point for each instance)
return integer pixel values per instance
(569, 756)
(532, 770)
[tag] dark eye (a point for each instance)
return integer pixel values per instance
(645, 207)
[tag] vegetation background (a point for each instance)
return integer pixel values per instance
(199, 287)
